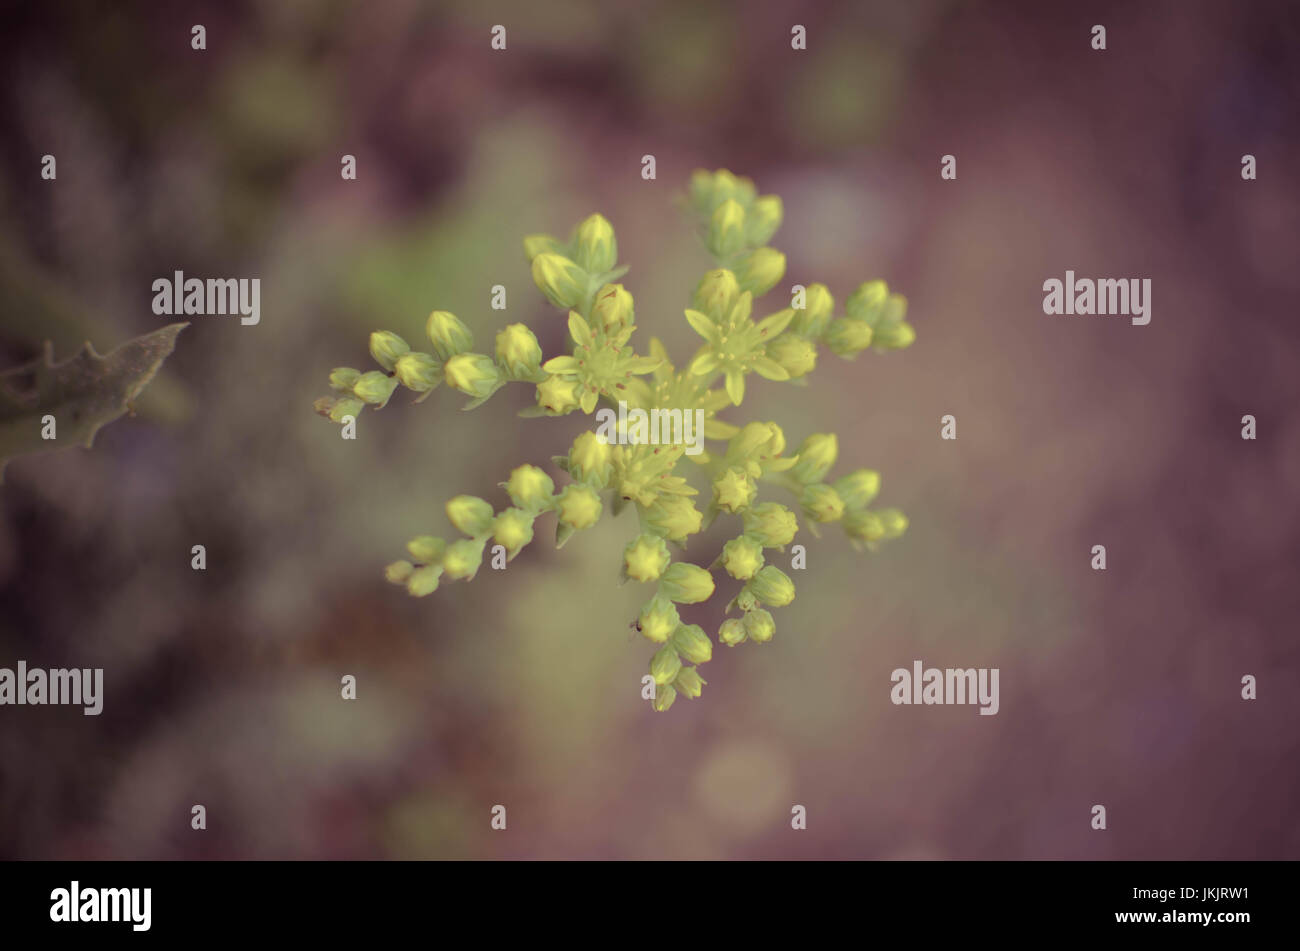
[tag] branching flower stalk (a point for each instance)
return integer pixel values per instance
(578, 276)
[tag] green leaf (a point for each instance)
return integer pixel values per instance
(83, 393)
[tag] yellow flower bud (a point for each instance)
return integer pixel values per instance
(689, 683)
(796, 355)
(426, 549)
(847, 337)
(726, 234)
(858, 488)
(760, 271)
(344, 378)
(771, 524)
(448, 335)
(674, 517)
(772, 587)
(811, 321)
(664, 698)
(821, 503)
(424, 581)
(867, 303)
(535, 244)
(665, 665)
(894, 523)
(473, 374)
(734, 490)
(398, 572)
(519, 352)
(529, 488)
(763, 219)
(693, 644)
(742, 557)
(386, 347)
(418, 372)
(864, 527)
(893, 336)
(591, 460)
(816, 456)
(717, 293)
(686, 583)
(732, 632)
(470, 514)
(512, 529)
(462, 558)
(375, 387)
(561, 280)
(658, 619)
(578, 506)
(759, 625)
(645, 558)
(594, 246)
(613, 309)
(557, 394)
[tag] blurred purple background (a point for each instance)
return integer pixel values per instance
(522, 688)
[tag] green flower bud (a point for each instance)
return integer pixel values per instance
(847, 337)
(772, 587)
(519, 352)
(375, 387)
(763, 219)
(665, 665)
(726, 234)
(419, 372)
(512, 529)
(473, 374)
(816, 456)
(867, 303)
(470, 514)
(771, 524)
(893, 336)
(674, 517)
(734, 490)
(732, 632)
(398, 572)
(760, 271)
(386, 347)
(595, 248)
(693, 644)
(894, 522)
(562, 281)
(864, 527)
(759, 625)
(645, 558)
(535, 244)
(529, 488)
(591, 460)
(424, 581)
(448, 335)
(858, 488)
(462, 558)
(344, 378)
(686, 583)
(613, 309)
(796, 355)
(717, 293)
(557, 394)
(664, 698)
(579, 506)
(821, 503)
(689, 683)
(742, 557)
(816, 313)
(426, 550)
(658, 619)
(344, 408)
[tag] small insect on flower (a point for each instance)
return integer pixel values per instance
(740, 337)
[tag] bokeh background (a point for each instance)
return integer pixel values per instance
(222, 687)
